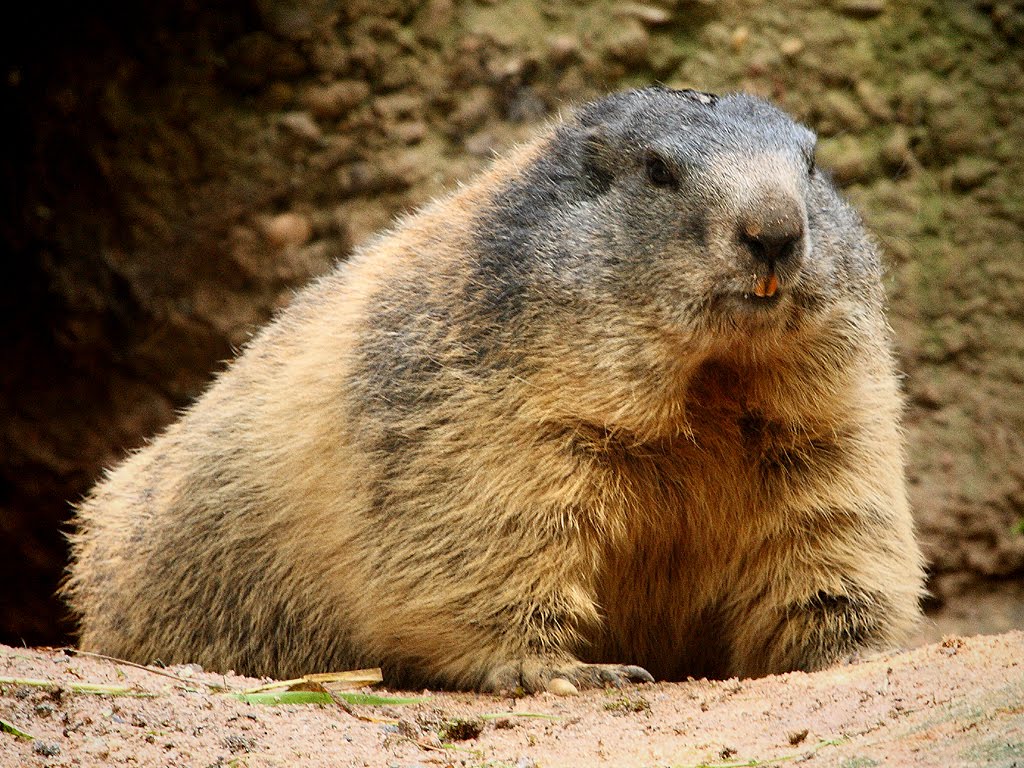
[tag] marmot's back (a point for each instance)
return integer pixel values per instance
(626, 399)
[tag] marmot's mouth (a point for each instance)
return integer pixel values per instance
(766, 291)
(766, 286)
(748, 307)
(758, 298)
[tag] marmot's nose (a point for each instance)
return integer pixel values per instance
(773, 232)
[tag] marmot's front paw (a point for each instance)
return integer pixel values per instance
(605, 675)
(536, 676)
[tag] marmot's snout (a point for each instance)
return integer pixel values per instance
(772, 231)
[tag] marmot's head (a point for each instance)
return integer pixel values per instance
(702, 215)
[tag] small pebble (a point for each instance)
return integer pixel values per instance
(301, 124)
(739, 38)
(648, 15)
(631, 45)
(562, 687)
(288, 228)
(791, 46)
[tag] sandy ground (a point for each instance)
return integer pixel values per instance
(960, 702)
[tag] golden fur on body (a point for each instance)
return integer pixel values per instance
(406, 469)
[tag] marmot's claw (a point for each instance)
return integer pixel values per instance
(603, 675)
(638, 674)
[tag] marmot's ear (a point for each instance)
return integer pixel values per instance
(597, 161)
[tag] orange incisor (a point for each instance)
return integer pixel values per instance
(766, 286)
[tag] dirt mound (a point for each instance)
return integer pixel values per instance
(950, 704)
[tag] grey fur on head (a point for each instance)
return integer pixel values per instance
(676, 206)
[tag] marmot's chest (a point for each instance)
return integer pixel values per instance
(738, 469)
(762, 445)
(698, 512)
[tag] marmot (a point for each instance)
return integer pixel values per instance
(625, 406)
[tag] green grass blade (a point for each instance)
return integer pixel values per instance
(6, 727)
(373, 700)
(97, 688)
(321, 697)
(272, 698)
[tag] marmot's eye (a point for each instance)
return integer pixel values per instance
(658, 172)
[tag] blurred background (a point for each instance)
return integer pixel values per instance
(170, 172)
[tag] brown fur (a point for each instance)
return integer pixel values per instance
(699, 498)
